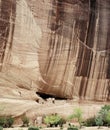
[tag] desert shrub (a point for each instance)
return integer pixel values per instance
(61, 122)
(107, 119)
(2, 121)
(6, 121)
(9, 121)
(77, 114)
(90, 122)
(1, 128)
(33, 128)
(54, 120)
(99, 121)
(103, 115)
(105, 107)
(72, 127)
(25, 121)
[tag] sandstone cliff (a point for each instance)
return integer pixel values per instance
(56, 47)
(74, 54)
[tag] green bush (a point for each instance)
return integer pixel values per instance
(107, 119)
(6, 121)
(103, 115)
(9, 121)
(99, 121)
(90, 122)
(77, 114)
(102, 118)
(33, 128)
(61, 122)
(54, 120)
(1, 128)
(105, 107)
(25, 121)
(2, 121)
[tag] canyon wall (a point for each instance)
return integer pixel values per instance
(19, 41)
(55, 47)
(74, 54)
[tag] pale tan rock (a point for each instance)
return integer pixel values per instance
(55, 47)
(20, 72)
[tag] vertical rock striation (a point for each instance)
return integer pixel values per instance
(72, 58)
(19, 41)
(75, 48)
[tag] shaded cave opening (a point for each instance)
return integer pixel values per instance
(46, 96)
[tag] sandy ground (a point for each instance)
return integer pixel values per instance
(17, 108)
(84, 128)
(63, 108)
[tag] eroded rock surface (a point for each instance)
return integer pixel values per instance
(74, 54)
(56, 47)
(19, 41)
